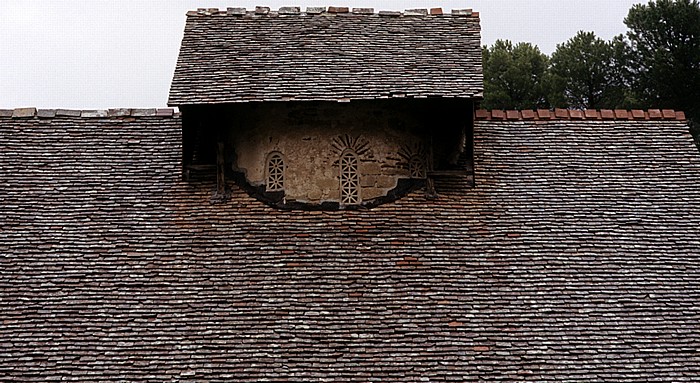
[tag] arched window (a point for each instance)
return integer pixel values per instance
(275, 172)
(349, 179)
(416, 167)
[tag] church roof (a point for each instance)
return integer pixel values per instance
(574, 258)
(334, 54)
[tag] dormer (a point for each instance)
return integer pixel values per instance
(328, 108)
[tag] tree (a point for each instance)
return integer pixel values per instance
(514, 76)
(587, 73)
(665, 40)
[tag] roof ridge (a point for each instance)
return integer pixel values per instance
(32, 112)
(329, 11)
(578, 114)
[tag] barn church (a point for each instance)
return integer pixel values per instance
(327, 203)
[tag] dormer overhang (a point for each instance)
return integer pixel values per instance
(334, 54)
(406, 83)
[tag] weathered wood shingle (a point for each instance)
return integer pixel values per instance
(326, 56)
(575, 258)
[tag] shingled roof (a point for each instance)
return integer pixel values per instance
(575, 258)
(236, 55)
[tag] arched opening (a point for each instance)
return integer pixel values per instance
(349, 179)
(416, 167)
(275, 172)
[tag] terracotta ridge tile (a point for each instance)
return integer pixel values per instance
(580, 114)
(498, 114)
(621, 114)
(544, 114)
(592, 114)
(312, 11)
(338, 9)
(512, 115)
(607, 114)
(528, 114)
(668, 114)
(31, 112)
(637, 114)
(561, 113)
(655, 114)
(576, 114)
(482, 114)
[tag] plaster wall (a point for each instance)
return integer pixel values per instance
(312, 137)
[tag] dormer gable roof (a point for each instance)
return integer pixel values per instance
(333, 54)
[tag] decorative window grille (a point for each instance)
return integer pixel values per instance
(416, 167)
(349, 179)
(275, 172)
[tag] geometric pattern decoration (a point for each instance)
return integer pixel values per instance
(344, 142)
(349, 179)
(275, 172)
(416, 167)
(413, 158)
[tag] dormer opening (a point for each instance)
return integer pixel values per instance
(329, 155)
(320, 136)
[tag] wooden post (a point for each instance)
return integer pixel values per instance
(190, 127)
(429, 181)
(220, 169)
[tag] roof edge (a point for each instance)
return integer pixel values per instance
(392, 96)
(31, 112)
(330, 11)
(578, 114)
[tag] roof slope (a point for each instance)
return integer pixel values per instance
(327, 56)
(575, 258)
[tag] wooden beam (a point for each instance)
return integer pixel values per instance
(449, 173)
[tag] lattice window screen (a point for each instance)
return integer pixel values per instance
(275, 172)
(416, 167)
(349, 179)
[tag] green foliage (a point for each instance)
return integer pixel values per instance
(588, 73)
(584, 72)
(514, 76)
(665, 59)
(657, 65)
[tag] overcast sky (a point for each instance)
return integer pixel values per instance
(84, 54)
